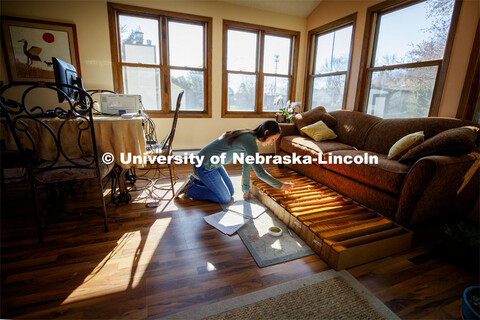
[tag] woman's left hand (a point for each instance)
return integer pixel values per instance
(246, 194)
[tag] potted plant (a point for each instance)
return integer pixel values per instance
(471, 303)
(285, 113)
(461, 243)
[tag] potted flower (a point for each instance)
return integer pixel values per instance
(471, 303)
(285, 113)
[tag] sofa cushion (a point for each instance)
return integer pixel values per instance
(454, 141)
(306, 146)
(406, 143)
(352, 127)
(319, 131)
(387, 175)
(310, 117)
(385, 133)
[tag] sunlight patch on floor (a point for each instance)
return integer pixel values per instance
(210, 267)
(123, 268)
(276, 245)
(261, 232)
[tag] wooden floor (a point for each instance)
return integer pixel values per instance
(158, 261)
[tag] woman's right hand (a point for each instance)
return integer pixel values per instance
(287, 186)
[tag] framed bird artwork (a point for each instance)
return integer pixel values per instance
(29, 46)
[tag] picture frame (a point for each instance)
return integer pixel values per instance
(29, 46)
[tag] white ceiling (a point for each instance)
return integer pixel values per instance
(301, 8)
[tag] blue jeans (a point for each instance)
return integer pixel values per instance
(212, 185)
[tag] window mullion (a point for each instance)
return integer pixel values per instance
(311, 65)
(205, 64)
(259, 90)
(276, 75)
(140, 65)
(291, 84)
(328, 74)
(164, 68)
(314, 55)
(187, 68)
(119, 74)
(408, 65)
(373, 44)
(242, 72)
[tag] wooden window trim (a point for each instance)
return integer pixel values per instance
(261, 31)
(471, 86)
(368, 48)
(114, 9)
(311, 53)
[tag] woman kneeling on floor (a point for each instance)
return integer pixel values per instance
(212, 181)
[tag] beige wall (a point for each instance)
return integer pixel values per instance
(91, 20)
(331, 10)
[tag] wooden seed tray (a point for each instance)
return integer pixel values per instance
(341, 231)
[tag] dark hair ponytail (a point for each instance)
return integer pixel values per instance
(262, 132)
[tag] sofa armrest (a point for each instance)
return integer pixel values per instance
(288, 129)
(438, 185)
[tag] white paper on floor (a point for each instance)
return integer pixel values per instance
(227, 222)
(235, 216)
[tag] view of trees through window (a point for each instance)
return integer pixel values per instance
(409, 50)
(141, 58)
(186, 58)
(243, 66)
(242, 62)
(139, 45)
(331, 63)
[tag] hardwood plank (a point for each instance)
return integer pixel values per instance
(158, 261)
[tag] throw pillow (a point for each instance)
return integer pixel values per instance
(312, 116)
(454, 141)
(406, 143)
(319, 131)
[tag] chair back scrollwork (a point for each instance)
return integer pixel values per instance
(49, 139)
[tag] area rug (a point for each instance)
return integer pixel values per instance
(327, 295)
(267, 249)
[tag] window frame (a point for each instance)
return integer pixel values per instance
(369, 47)
(469, 100)
(349, 20)
(163, 17)
(261, 32)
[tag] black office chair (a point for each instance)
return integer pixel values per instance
(58, 147)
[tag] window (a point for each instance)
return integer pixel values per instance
(408, 57)
(158, 54)
(469, 104)
(329, 56)
(259, 64)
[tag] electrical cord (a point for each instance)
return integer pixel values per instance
(149, 128)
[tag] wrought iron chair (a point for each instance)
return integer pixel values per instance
(164, 148)
(58, 147)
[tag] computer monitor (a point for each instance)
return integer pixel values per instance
(65, 73)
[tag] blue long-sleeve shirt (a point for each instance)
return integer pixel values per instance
(246, 144)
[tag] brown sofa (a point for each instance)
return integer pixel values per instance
(408, 193)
